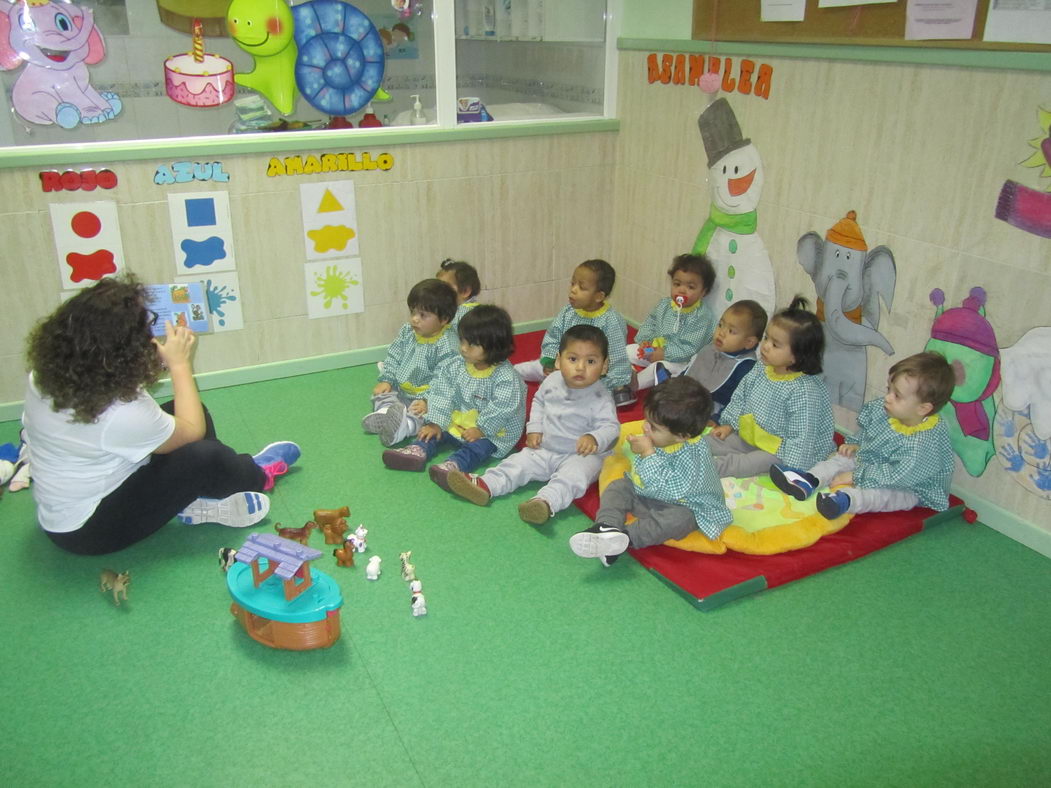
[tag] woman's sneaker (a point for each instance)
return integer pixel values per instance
(276, 459)
(236, 511)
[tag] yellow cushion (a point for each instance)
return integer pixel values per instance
(766, 521)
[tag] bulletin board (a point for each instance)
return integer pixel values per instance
(882, 24)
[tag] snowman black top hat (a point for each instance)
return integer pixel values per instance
(720, 131)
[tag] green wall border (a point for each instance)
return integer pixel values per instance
(285, 142)
(925, 56)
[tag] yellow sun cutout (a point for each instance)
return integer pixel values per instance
(1042, 154)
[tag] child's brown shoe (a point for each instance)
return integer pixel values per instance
(535, 511)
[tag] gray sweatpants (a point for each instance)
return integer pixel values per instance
(863, 499)
(655, 521)
(568, 476)
(737, 458)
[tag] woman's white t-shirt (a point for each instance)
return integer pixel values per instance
(76, 465)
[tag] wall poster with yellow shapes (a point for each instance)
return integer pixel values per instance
(330, 220)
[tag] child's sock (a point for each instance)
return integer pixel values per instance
(236, 511)
(793, 481)
(469, 486)
(833, 505)
(276, 459)
(602, 541)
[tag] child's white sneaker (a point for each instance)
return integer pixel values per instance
(239, 510)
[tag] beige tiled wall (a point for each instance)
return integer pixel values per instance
(919, 152)
(522, 210)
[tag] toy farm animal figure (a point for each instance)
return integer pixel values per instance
(360, 542)
(333, 531)
(372, 569)
(301, 535)
(322, 516)
(118, 582)
(57, 42)
(227, 557)
(345, 554)
(408, 570)
(419, 603)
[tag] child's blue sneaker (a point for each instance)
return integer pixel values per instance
(236, 511)
(833, 505)
(660, 372)
(276, 459)
(793, 481)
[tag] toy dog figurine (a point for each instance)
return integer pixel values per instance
(372, 569)
(419, 603)
(118, 582)
(301, 535)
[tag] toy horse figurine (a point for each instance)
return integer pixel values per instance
(345, 554)
(57, 42)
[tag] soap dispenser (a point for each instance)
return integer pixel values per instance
(369, 120)
(418, 118)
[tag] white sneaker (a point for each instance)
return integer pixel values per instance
(239, 510)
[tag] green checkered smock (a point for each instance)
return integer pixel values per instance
(681, 336)
(892, 455)
(610, 322)
(412, 360)
(787, 415)
(685, 474)
(492, 399)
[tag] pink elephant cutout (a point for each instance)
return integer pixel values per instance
(56, 42)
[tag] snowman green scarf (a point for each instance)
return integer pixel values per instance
(739, 223)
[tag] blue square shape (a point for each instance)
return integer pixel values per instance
(200, 212)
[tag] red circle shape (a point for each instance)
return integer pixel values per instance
(86, 224)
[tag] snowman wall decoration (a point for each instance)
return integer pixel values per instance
(728, 237)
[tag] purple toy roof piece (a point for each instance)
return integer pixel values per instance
(290, 555)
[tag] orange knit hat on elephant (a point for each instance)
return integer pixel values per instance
(846, 232)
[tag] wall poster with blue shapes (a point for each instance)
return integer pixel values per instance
(223, 293)
(201, 233)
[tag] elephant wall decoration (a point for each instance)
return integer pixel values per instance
(968, 342)
(850, 281)
(56, 41)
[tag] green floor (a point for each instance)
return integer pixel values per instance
(928, 663)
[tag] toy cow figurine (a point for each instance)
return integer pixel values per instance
(360, 542)
(227, 557)
(419, 603)
(333, 531)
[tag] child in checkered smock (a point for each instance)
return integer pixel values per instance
(463, 278)
(422, 345)
(680, 324)
(589, 288)
(780, 412)
(672, 489)
(476, 403)
(901, 455)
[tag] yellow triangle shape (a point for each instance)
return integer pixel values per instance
(329, 203)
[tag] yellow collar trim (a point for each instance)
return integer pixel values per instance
(674, 447)
(771, 375)
(687, 309)
(469, 304)
(474, 372)
(421, 340)
(601, 310)
(927, 423)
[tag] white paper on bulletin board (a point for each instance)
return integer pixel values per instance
(334, 287)
(1019, 21)
(929, 20)
(201, 233)
(330, 220)
(782, 11)
(87, 239)
(845, 3)
(223, 291)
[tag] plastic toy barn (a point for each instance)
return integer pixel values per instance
(279, 600)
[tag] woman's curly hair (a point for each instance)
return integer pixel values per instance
(95, 349)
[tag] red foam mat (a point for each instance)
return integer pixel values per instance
(709, 581)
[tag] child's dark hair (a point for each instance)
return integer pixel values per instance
(96, 348)
(434, 296)
(806, 336)
(489, 326)
(464, 274)
(605, 276)
(935, 379)
(754, 312)
(582, 332)
(680, 404)
(695, 264)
